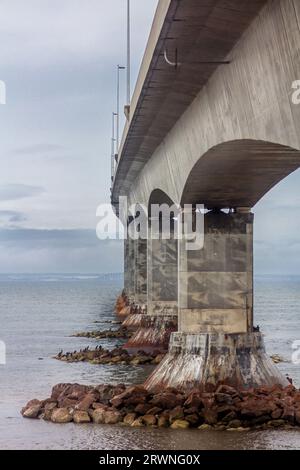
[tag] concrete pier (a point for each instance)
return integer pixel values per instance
(216, 343)
(207, 360)
(162, 293)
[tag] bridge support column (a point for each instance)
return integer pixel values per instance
(127, 299)
(139, 279)
(216, 343)
(162, 306)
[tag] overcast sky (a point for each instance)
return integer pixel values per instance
(58, 59)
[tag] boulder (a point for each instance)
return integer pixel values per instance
(32, 412)
(176, 413)
(224, 398)
(142, 408)
(154, 410)
(98, 416)
(81, 417)
(276, 423)
(297, 416)
(149, 420)
(166, 400)
(192, 419)
(86, 402)
(289, 414)
(138, 423)
(129, 419)
(205, 427)
(276, 414)
(235, 423)
(180, 424)
(226, 389)
(66, 402)
(116, 401)
(112, 417)
(163, 422)
(194, 400)
(48, 410)
(61, 416)
(210, 415)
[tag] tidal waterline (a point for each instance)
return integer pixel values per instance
(38, 315)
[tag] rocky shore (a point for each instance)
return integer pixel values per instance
(113, 357)
(225, 409)
(121, 333)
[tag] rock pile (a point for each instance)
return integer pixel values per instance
(224, 409)
(107, 334)
(115, 356)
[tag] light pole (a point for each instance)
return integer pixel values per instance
(113, 142)
(119, 67)
(128, 53)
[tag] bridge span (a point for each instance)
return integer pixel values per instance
(211, 122)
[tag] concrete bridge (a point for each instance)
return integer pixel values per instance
(211, 122)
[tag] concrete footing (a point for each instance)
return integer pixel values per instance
(133, 322)
(153, 334)
(205, 361)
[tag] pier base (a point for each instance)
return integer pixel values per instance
(133, 321)
(153, 334)
(205, 361)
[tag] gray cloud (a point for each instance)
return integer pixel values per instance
(38, 149)
(12, 216)
(11, 192)
(59, 251)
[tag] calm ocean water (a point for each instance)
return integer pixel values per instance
(38, 314)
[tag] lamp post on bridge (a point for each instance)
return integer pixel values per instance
(119, 68)
(113, 143)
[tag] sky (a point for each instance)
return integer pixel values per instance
(58, 60)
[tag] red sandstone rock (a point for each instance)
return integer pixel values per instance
(180, 424)
(30, 409)
(223, 398)
(226, 389)
(112, 417)
(166, 400)
(276, 414)
(129, 419)
(116, 401)
(289, 414)
(210, 415)
(61, 416)
(163, 422)
(138, 423)
(194, 400)
(81, 417)
(66, 402)
(193, 419)
(86, 402)
(98, 416)
(149, 420)
(154, 410)
(142, 408)
(176, 413)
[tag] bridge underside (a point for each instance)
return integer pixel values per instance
(238, 173)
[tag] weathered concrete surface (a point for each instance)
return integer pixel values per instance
(162, 277)
(216, 282)
(204, 361)
(153, 334)
(133, 321)
(241, 133)
(140, 273)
